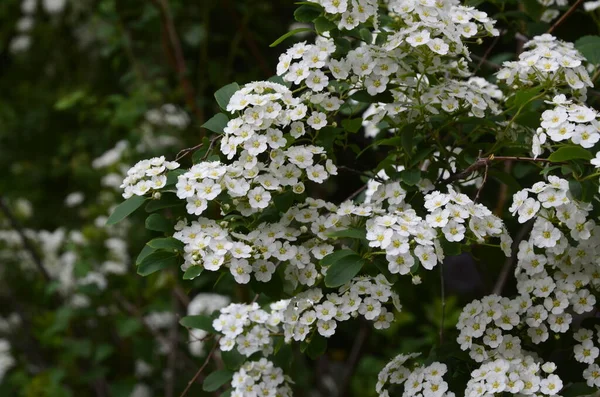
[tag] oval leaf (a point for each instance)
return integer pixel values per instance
(289, 34)
(217, 379)
(124, 209)
(566, 153)
(335, 256)
(589, 46)
(217, 122)
(225, 93)
(158, 223)
(169, 244)
(192, 272)
(198, 322)
(156, 261)
(343, 271)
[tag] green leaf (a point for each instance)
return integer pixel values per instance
(411, 176)
(349, 233)
(158, 223)
(330, 259)
(232, 359)
(352, 125)
(364, 96)
(168, 243)
(577, 389)
(147, 250)
(307, 13)
(343, 270)
(217, 379)
(70, 100)
(192, 272)
(124, 209)
(289, 34)
(523, 96)
(173, 177)
(576, 189)
(198, 322)
(225, 93)
(366, 35)
(589, 46)
(317, 346)
(166, 201)
(217, 122)
(571, 152)
(323, 25)
(157, 261)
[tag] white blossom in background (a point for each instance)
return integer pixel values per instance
(54, 6)
(74, 199)
(203, 303)
(6, 358)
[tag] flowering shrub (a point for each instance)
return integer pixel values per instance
(246, 208)
(356, 193)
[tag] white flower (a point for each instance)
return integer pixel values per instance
(259, 197)
(317, 120)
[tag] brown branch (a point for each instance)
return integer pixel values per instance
(250, 42)
(358, 172)
(485, 175)
(354, 357)
(178, 58)
(486, 62)
(443, 299)
(25, 241)
(184, 152)
(482, 162)
(488, 52)
(173, 340)
(191, 382)
(565, 16)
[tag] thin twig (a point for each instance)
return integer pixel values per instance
(26, 243)
(358, 172)
(443, 298)
(482, 162)
(250, 42)
(354, 357)
(565, 16)
(485, 175)
(486, 62)
(184, 152)
(191, 382)
(487, 52)
(178, 58)
(509, 262)
(357, 192)
(172, 358)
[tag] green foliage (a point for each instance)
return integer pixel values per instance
(125, 209)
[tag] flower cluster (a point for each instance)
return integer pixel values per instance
(586, 352)
(364, 296)
(405, 235)
(262, 379)
(522, 376)
(146, 176)
(548, 60)
(568, 121)
(421, 381)
(249, 327)
(556, 274)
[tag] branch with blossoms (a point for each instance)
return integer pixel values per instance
(253, 211)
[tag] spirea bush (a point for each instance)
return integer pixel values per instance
(381, 208)
(248, 207)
